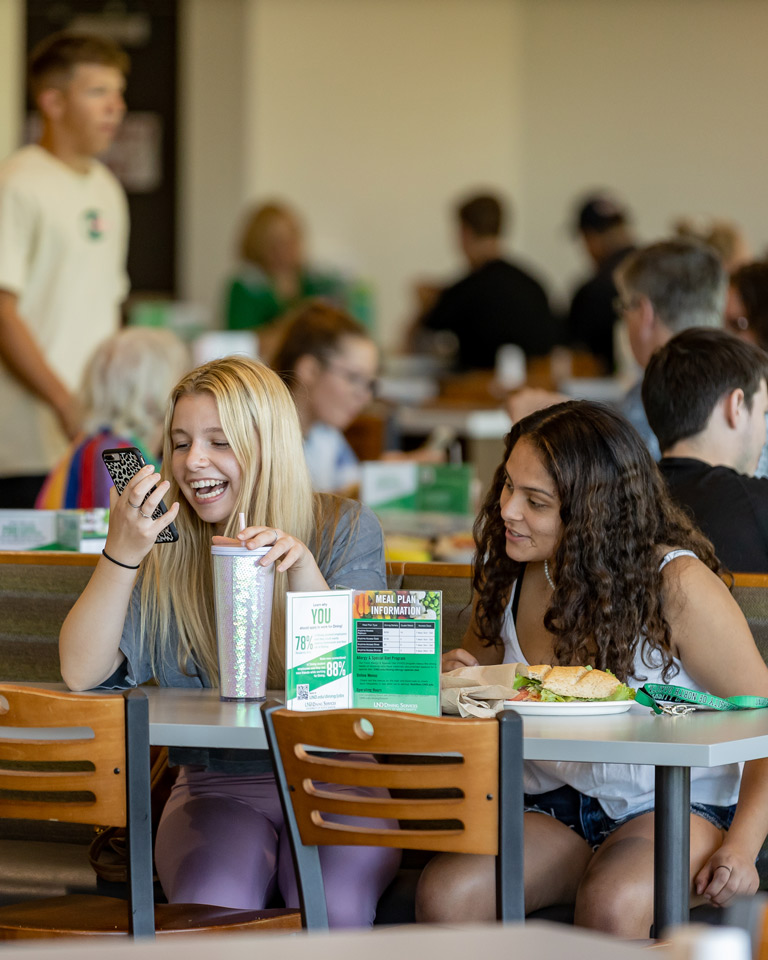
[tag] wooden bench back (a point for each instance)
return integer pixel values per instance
(37, 590)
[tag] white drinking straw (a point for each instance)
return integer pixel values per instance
(242, 520)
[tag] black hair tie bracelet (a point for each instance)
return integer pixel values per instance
(127, 566)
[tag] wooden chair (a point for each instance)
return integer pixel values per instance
(467, 801)
(93, 767)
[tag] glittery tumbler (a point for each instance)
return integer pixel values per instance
(243, 596)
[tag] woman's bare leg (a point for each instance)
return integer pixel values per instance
(461, 888)
(616, 893)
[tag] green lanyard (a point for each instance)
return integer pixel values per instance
(649, 694)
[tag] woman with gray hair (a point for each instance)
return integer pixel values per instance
(123, 394)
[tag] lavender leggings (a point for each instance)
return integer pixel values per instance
(222, 841)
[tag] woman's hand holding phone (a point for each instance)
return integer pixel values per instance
(132, 530)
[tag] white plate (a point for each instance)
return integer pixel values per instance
(543, 708)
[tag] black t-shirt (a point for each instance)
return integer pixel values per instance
(728, 507)
(496, 304)
(592, 316)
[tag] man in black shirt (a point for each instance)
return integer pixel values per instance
(603, 226)
(496, 302)
(706, 398)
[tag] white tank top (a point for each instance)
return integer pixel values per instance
(621, 788)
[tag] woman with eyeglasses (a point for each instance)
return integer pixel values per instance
(329, 363)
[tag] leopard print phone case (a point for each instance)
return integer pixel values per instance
(124, 463)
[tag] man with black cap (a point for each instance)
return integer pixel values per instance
(602, 224)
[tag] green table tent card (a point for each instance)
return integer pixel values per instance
(396, 650)
(375, 649)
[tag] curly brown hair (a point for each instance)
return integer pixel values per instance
(615, 512)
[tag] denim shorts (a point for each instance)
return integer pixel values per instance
(585, 815)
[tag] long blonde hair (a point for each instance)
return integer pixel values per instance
(260, 422)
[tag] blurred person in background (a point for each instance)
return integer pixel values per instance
(123, 396)
(63, 246)
(274, 276)
(746, 309)
(746, 315)
(706, 398)
(663, 289)
(602, 225)
(496, 303)
(329, 363)
(725, 236)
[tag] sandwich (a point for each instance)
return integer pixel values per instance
(566, 684)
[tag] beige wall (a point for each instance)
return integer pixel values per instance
(657, 99)
(211, 154)
(11, 74)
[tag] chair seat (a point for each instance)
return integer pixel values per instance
(85, 915)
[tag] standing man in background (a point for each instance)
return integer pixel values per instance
(63, 246)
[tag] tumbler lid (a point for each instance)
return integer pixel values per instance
(219, 551)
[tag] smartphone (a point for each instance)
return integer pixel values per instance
(125, 463)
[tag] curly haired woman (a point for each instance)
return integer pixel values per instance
(586, 561)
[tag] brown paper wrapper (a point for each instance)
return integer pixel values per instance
(477, 691)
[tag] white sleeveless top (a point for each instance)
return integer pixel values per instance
(622, 788)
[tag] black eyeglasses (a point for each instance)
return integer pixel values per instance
(353, 378)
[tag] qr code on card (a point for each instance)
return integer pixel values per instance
(302, 691)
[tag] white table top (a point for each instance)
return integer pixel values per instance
(545, 941)
(192, 717)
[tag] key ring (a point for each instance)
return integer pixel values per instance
(676, 709)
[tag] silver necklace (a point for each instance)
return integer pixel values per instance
(550, 581)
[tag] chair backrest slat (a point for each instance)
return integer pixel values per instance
(472, 777)
(441, 806)
(70, 777)
(393, 775)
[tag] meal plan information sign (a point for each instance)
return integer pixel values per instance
(396, 650)
(375, 649)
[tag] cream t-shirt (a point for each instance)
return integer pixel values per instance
(63, 245)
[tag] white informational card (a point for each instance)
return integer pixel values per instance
(318, 650)
(375, 649)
